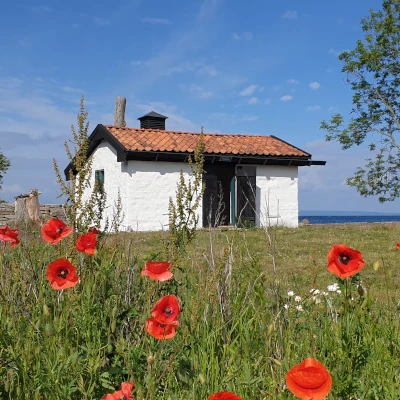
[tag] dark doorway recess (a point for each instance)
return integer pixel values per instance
(245, 196)
(217, 195)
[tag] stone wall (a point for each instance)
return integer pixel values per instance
(7, 215)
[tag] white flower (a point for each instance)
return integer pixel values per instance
(333, 288)
(317, 301)
(316, 291)
(312, 290)
(286, 306)
(290, 293)
(325, 294)
(297, 299)
(299, 308)
(338, 291)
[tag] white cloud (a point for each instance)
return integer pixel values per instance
(333, 52)
(156, 21)
(41, 8)
(248, 118)
(253, 100)
(332, 109)
(208, 70)
(244, 36)
(286, 98)
(290, 14)
(249, 90)
(199, 92)
(13, 188)
(175, 120)
(292, 81)
(10, 83)
(207, 9)
(314, 85)
(313, 108)
(70, 89)
(101, 21)
(267, 101)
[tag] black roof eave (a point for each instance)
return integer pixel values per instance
(99, 134)
(216, 158)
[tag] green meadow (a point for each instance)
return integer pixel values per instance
(239, 330)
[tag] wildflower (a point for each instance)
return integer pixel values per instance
(159, 330)
(343, 261)
(398, 246)
(309, 380)
(224, 396)
(312, 290)
(333, 288)
(166, 310)
(87, 242)
(316, 291)
(157, 270)
(54, 230)
(325, 293)
(125, 393)
(9, 235)
(317, 300)
(290, 293)
(299, 308)
(286, 306)
(297, 299)
(61, 274)
(338, 291)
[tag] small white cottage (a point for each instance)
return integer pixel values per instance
(256, 175)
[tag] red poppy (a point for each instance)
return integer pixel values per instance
(61, 274)
(157, 270)
(124, 394)
(344, 261)
(9, 235)
(159, 330)
(54, 230)
(224, 396)
(309, 380)
(86, 243)
(93, 230)
(398, 246)
(166, 310)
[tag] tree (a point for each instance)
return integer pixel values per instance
(373, 72)
(82, 210)
(4, 166)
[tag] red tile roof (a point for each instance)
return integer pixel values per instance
(136, 139)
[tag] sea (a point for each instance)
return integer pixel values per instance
(345, 219)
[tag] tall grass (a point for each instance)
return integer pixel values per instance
(239, 330)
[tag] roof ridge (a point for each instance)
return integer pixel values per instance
(192, 133)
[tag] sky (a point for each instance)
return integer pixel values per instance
(254, 67)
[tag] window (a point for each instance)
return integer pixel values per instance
(99, 176)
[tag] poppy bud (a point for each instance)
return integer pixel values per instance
(48, 329)
(46, 310)
(202, 379)
(150, 360)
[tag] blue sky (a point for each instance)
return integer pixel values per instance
(256, 67)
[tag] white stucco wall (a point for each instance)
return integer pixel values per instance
(145, 188)
(277, 195)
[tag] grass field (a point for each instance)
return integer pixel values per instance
(239, 330)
